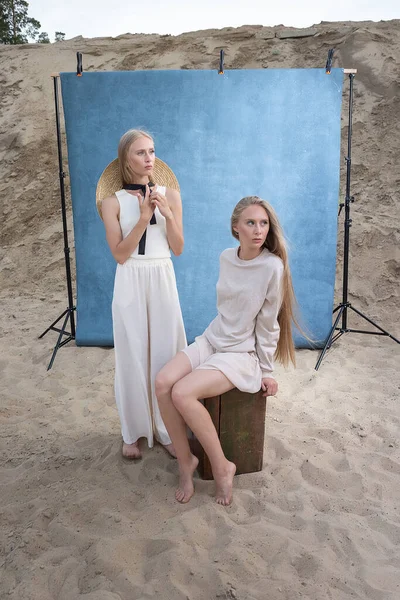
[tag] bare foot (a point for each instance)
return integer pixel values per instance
(185, 489)
(131, 451)
(224, 484)
(170, 449)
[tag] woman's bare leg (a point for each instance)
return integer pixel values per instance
(186, 394)
(173, 371)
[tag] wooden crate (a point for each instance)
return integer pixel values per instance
(239, 419)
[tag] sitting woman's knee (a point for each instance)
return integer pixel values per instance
(163, 383)
(178, 394)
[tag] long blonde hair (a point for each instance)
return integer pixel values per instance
(275, 242)
(123, 148)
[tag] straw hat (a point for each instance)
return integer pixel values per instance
(110, 180)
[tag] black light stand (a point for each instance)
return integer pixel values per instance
(345, 305)
(68, 314)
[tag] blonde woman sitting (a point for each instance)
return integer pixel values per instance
(255, 301)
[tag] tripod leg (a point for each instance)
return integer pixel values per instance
(337, 336)
(374, 324)
(54, 323)
(56, 347)
(329, 339)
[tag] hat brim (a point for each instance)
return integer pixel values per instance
(110, 180)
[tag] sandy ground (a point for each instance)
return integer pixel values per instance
(321, 520)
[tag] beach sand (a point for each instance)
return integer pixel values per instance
(321, 520)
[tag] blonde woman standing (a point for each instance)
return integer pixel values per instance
(143, 223)
(255, 301)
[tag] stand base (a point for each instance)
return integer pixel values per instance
(331, 339)
(69, 315)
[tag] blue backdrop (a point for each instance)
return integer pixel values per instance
(271, 133)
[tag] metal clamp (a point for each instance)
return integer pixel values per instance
(328, 66)
(221, 63)
(79, 68)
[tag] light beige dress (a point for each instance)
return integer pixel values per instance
(241, 340)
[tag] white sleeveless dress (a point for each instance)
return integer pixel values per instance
(147, 324)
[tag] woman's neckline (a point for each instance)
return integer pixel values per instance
(248, 260)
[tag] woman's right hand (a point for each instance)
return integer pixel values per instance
(146, 206)
(269, 386)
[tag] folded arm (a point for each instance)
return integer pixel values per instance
(121, 249)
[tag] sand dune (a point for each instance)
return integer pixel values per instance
(321, 520)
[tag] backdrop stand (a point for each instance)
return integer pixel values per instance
(68, 314)
(345, 305)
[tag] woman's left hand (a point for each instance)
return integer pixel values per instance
(269, 386)
(157, 199)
